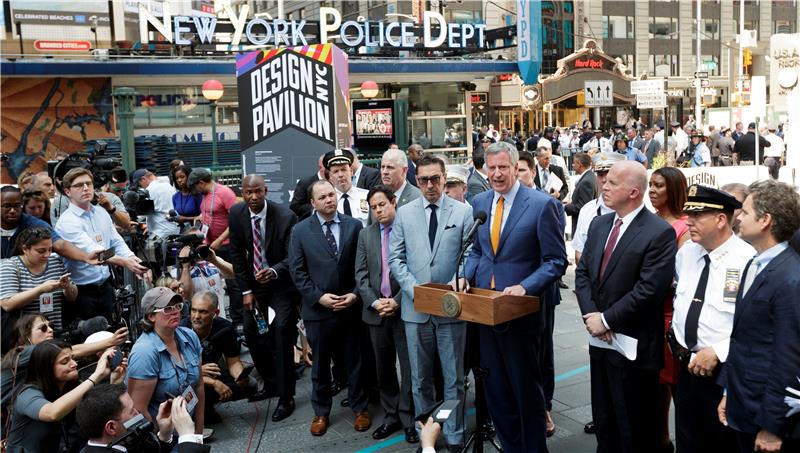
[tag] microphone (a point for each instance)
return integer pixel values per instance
(480, 219)
(172, 216)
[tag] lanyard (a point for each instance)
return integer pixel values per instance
(172, 362)
(211, 211)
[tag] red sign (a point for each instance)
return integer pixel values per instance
(478, 98)
(590, 64)
(505, 77)
(62, 46)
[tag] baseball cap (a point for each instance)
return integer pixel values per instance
(156, 298)
(136, 176)
(197, 175)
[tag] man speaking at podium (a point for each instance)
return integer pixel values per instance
(519, 251)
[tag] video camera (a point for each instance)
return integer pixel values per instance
(140, 436)
(104, 168)
(176, 242)
(137, 202)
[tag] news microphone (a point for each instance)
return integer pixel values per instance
(480, 219)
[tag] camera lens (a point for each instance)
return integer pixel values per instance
(203, 251)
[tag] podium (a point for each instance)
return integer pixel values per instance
(482, 306)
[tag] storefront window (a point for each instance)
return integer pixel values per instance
(663, 28)
(179, 106)
(437, 117)
(618, 27)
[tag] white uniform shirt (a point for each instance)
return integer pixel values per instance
(604, 145)
(358, 203)
(728, 262)
(775, 148)
(588, 212)
(161, 193)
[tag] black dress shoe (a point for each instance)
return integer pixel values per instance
(283, 410)
(385, 430)
(345, 402)
(589, 428)
(337, 387)
(411, 436)
(562, 285)
(455, 448)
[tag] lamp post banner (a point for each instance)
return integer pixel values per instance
(529, 39)
(293, 107)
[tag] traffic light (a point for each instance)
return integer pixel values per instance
(748, 57)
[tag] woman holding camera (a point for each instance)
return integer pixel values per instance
(35, 281)
(186, 203)
(51, 393)
(165, 361)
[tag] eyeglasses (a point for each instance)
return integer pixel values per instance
(44, 327)
(10, 206)
(82, 185)
(170, 309)
(425, 180)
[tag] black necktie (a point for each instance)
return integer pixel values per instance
(329, 237)
(693, 318)
(346, 204)
(433, 225)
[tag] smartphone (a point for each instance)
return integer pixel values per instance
(246, 372)
(106, 254)
(441, 413)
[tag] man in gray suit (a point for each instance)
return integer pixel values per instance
(585, 189)
(428, 254)
(394, 168)
(381, 295)
(651, 147)
(478, 181)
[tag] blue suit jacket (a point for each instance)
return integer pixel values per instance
(531, 252)
(411, 260)
(764, 356)
(315, 270)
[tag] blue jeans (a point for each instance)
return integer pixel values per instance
(425, 341)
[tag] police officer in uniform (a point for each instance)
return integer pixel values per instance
(352, 199)
(708, 272)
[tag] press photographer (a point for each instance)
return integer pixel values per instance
(107, 417)
(91, 230)
(160, 192)
(198, 267)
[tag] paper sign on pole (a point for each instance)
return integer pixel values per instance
(648, 86)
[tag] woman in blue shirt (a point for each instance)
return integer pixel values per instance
(166, 359)
(186, 203)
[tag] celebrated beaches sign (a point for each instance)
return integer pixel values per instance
(293, 107)
(434, 32)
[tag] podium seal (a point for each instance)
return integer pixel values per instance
(451, 305)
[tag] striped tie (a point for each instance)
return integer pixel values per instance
(258, 257)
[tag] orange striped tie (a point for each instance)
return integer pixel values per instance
(497, 221)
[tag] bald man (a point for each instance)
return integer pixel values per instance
(621, 281)
(259, 234)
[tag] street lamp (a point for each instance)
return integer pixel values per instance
(369, 89)
(212, 90)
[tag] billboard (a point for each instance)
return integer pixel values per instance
(293, 107)
(373, 123)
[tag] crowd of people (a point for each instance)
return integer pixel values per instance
(685, 146)
(704, 289)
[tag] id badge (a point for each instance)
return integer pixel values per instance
(204, 229)
(46, 303)
(191, 399)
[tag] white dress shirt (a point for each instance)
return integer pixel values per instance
(425, 204)
(587, 213)
(626, 222)
(726, 269)
(161, 193)
(775, 148)
(508, 202)
(359, 207)
(90, 230)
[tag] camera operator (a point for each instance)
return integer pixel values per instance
(107, 408)
(218, 338)
(202, 270)
(161, 193)
(13, 221)
(91, 229)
